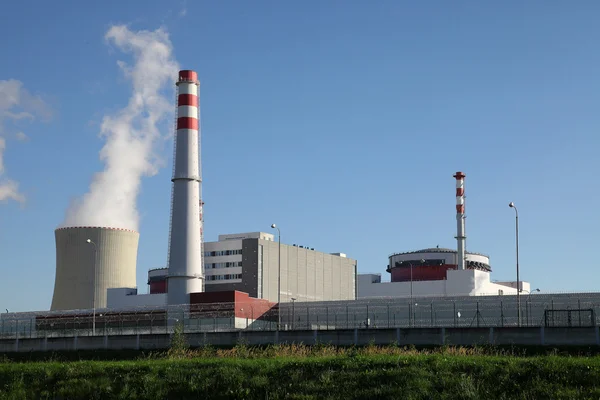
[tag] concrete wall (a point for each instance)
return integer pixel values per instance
(415, 336)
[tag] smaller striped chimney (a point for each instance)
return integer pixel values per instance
(461, 239)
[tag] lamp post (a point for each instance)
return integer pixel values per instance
(274, 226)
(411, 277)
(94, 286)
(512, 205)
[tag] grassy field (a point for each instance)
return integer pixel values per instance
(302, 372)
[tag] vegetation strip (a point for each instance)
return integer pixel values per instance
(308, 372)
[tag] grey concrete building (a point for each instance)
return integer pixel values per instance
(249, 262)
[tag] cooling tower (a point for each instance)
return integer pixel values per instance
(87, 268)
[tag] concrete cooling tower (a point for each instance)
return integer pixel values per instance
(89, 260)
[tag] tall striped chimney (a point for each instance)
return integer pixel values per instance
(185, 256)
(461, 239)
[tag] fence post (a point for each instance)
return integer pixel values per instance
(398, 336)
(501, 313)
(432, 313)
(355, 336)
(75, 341)
(137, 341)
(347, 318)
(443, 332)
(388, 313)
(307, 319)
(491, 339)
(542, 336)
(454, 312)
(183, 319)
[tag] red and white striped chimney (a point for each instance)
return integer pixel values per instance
(461, 239)
(185, 242)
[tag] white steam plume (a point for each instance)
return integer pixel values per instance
(130, 133)
(9, 190)
(16, 105)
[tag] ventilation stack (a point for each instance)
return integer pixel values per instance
(185, 255)
(461, 239)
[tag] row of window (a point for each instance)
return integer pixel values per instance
(222, 253)
(223, 277)
(223, 265)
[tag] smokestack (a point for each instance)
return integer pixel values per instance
(185, 255)
(461, 239)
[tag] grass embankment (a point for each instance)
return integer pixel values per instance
(301, 372)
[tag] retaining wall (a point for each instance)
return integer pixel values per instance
(587, 336)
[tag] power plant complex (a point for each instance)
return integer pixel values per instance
(250, 279)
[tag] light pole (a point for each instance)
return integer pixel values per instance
(94, 286)
(411, 278)
(278, 276)
(512, 205)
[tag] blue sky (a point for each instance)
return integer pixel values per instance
(341, 121)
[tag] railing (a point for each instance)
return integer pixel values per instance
(492, 311)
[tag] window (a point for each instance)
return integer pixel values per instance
(222, 253)
(223, 277)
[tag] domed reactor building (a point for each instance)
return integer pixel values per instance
(432, 264)
(439, 272)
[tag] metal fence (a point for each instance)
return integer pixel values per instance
(475, 311)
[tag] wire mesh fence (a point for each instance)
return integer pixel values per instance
(565, 310)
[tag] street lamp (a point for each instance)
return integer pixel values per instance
(512, 205)
(278, 277)
(411, 277)
(94, 288)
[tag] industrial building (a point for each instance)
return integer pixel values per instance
(439, 272)
(249, 262)
(90, 260)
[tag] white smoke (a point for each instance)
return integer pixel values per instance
(131, 133)
(16, 105)
(9, 190)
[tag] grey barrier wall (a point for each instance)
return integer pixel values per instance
(341, 337)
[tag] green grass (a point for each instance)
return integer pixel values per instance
(309, 372)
